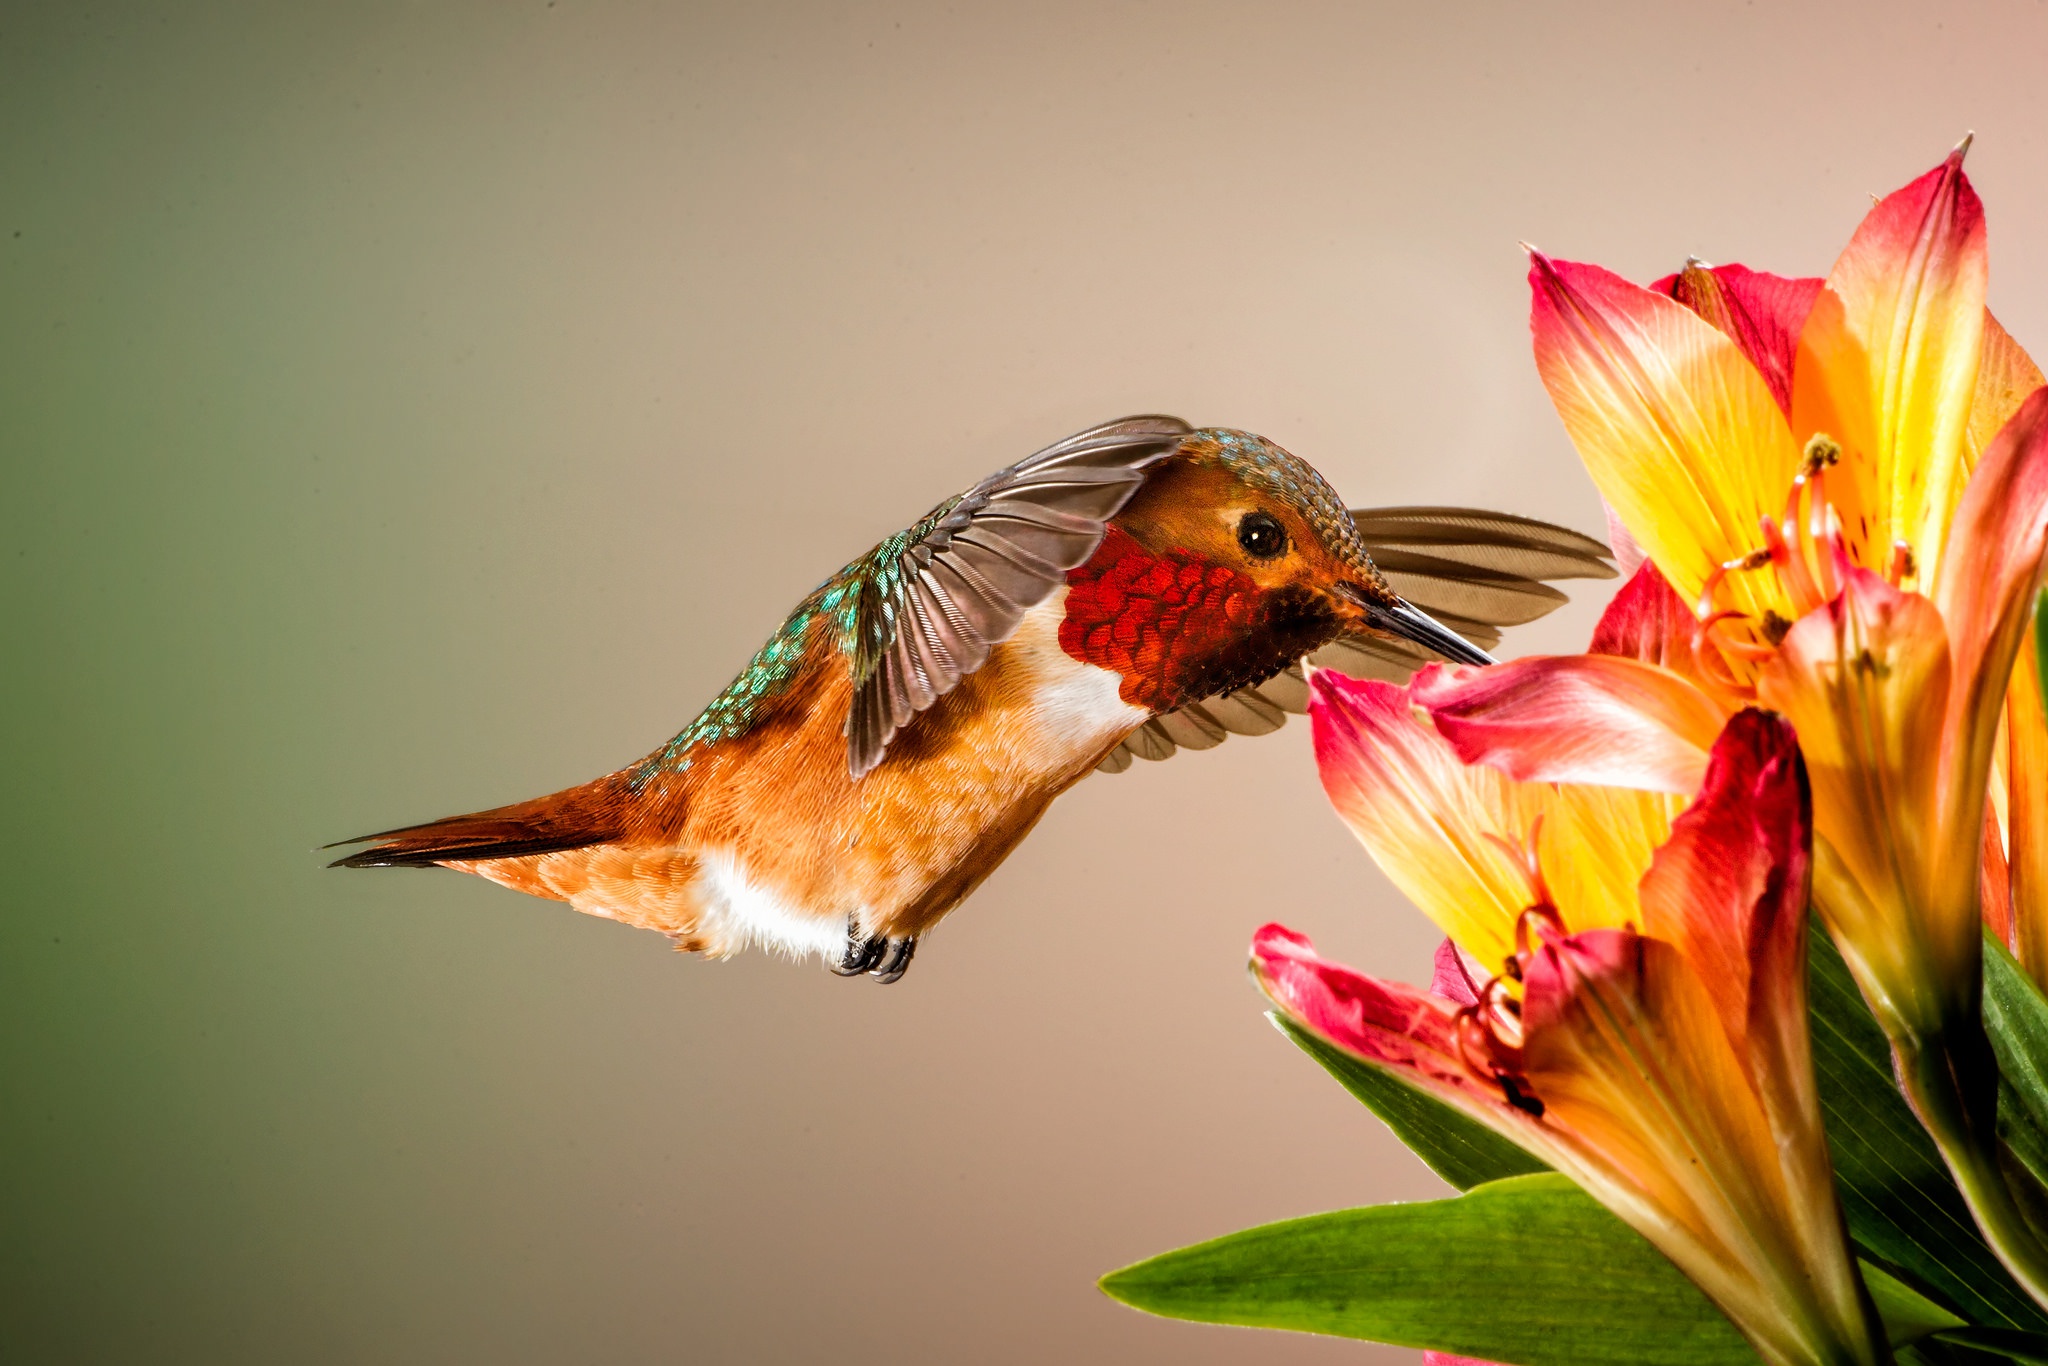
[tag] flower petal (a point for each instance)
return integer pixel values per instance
(1429, 821)
(1648, 621)
(1679, 431)
(1730, 891)
(1456, 977)
(1985, 588)
(1865, 680)
(1406, 1030)
(2027, 815)
(1603, 719)
(1627, 1057)
(1442, 830)
(1760, 312)
(1887, 363)
(2006, 375)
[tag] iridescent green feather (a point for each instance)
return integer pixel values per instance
(852, 609)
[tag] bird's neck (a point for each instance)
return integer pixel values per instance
(1178, 628)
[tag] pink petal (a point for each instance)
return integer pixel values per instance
(1402, 1028)
(1681, 435)
(1454, 979)
(1627, 554)
(1760, 312)
(1429, 821)
(1601, 719)
(1730, 890)
(1648, 621)
(1888, 363)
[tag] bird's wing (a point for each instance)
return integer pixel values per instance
(1475, 572)
(934, 600)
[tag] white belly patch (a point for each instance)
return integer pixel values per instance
(1078, 706)
(737, 911)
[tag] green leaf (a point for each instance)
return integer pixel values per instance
(1528, 1270)
(1908, 1315)
(2016, 1018)
(1458, 1148)
(2000, 1343)
(1903, 1209)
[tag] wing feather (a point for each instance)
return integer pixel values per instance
(977, 564)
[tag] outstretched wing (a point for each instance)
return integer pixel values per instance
(934, 600)
(1476, 572)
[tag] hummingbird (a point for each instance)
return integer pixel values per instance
(1140, 587)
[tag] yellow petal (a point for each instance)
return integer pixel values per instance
(1427, 819)
(1865, 681)
(1637, 1079)
(1887, 364)
(1678, 430)
(1436, 826)
(2006, 375)
(2027, 813)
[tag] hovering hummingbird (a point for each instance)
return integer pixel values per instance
(1139, 587)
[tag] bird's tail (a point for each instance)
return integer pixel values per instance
(573, 819)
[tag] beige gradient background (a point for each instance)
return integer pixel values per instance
(409, 408)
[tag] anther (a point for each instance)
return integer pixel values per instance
(1904, 565)
(1821, 451)
(1755, 559)
(1774, 627)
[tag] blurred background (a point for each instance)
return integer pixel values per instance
(408, 408)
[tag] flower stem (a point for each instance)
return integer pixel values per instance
(1951, 1080)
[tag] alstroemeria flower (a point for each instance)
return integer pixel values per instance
(1665, 1068)
(1850, 480)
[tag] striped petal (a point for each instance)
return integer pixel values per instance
(1760, 312)
(1865, 680)
(1985, 585)
(1432, 824)
(1887, 363)
(2006, 377)
(1647, 621)
(1449, 835)
(1602, 719)
(1679, 431)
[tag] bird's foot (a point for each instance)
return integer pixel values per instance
(883, 957)
(895, 961)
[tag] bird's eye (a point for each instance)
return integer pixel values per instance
(1262, 536)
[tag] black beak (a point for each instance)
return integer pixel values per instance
(1398, 619)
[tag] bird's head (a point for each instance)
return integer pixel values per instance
(1233, 560)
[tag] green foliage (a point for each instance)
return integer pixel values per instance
(1903, 1209)
(2016, 1018)
(1529, 1269)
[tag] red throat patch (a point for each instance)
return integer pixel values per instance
(1157, 620)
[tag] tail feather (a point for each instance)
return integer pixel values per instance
(574, 819)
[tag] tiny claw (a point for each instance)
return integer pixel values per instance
(896, 961)
(862, 951)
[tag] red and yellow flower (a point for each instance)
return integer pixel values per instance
(1846, 482)
(1647, 1031)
